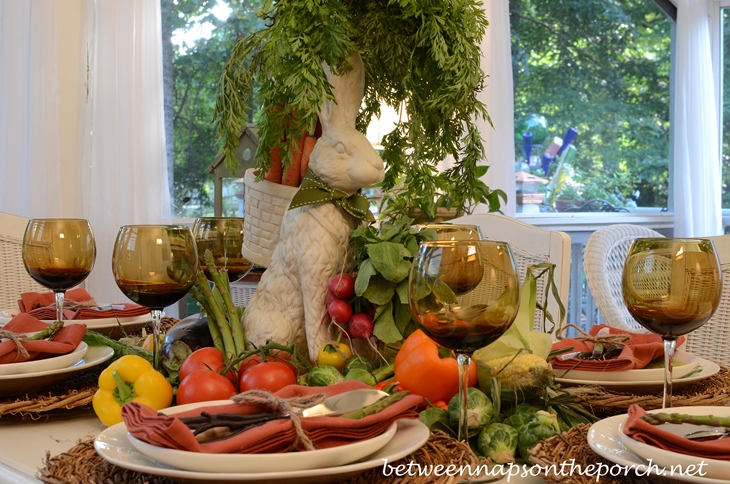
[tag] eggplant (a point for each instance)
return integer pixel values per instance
(193, 331)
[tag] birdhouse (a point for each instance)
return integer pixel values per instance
(228, 184)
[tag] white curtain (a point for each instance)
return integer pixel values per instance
(115, 170)
(499, 99)
(696, 187)
(30, 168)
(125, 172)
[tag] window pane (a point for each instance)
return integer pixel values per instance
(602, 68)
(203, 33)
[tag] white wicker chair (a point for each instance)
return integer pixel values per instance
(603, 262)
(530, 245)
(14, 280)
(712, 340)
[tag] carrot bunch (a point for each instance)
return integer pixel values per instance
(300, 153)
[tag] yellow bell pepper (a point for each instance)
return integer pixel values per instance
(130, 378)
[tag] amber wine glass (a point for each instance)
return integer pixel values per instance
(155, 266)
(223, 236)
(671, 287)
(464, 294)
(59, 254)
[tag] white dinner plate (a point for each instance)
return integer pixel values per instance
(46, 364)
(114, 446)
(715, 469)
(706, 369)
(683, 364)
(604, 439)
(13, 385)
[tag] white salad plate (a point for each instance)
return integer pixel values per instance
(115, 447)
(605, 440)
(12, 385)
(714, 468)
(703, 370)
(100, 325)
(46, 364)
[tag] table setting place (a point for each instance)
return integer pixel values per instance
(203, 400)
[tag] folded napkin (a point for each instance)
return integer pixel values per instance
(65, 341)
(653, 435)
(43, 306)
(637, 352)
(273, 437)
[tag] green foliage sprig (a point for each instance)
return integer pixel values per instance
(383, 257)
(420, 55)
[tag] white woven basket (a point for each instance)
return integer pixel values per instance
(264, 204)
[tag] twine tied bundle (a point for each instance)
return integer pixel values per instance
(15, 338)
(603, 338)
(291, 406)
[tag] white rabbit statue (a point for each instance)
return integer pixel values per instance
(289, 303)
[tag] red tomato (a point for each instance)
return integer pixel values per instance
(276, 355)
(271, 376)
(204, 386)
(207, 358)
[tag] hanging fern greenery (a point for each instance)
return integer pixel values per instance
(421, 56)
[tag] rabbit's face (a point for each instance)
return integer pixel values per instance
(345, 160)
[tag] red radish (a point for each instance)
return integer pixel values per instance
(340, 311)
(330, 297)
(342, 286)
(361, 326)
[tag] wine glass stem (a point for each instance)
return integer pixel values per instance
(463, 360)
(156, 323)
(669, 346)
(59, 304)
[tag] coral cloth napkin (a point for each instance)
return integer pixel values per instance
(638, 351)
(43, 306)
(273, 437)
(65, 341)
(653, 435)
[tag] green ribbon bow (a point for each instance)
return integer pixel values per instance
(314, 190)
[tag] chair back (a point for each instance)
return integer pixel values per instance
(712, 340)
(14, 280)
(603, 262)
(530, 246)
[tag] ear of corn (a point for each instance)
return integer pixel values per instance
(521, 371)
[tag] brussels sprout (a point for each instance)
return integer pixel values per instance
(324, 375)
(436, 418)
(498, 442)
(522, 413)
(541, 427)
(479, 411)
(358, 362)
(361, 374)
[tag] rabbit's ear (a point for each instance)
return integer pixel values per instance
(349, 90)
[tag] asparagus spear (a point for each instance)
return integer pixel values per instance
(50, 330)
(223, 288)
(213, 309)
(376, 407)
(680, 418)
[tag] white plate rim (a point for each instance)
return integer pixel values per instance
(55, 362)
(709, 368)
(636, 447)
(99, 353)
(627, 376)
(607, 431)
(174, 455)
(118, 435)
